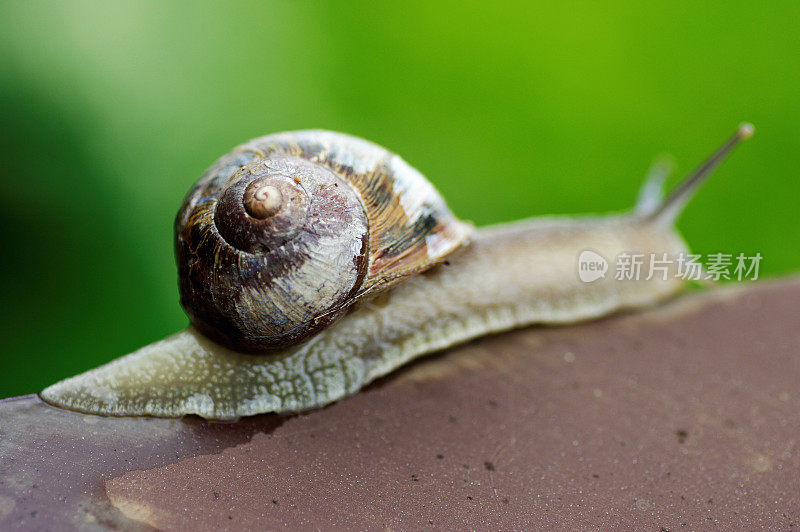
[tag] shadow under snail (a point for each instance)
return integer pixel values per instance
(312, 262)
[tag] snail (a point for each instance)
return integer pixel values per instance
(312, 262)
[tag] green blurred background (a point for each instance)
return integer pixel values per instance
(111, 110)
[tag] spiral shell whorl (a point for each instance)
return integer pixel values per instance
(285, 233)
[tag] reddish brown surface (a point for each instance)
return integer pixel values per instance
(683, 417)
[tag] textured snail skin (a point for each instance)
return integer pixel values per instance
(511, 276)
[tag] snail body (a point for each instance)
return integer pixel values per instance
(502, 277)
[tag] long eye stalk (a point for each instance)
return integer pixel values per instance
(669, 210)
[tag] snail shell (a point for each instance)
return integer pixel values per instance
(284, 234)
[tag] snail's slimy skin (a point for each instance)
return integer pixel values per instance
(511, 276)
